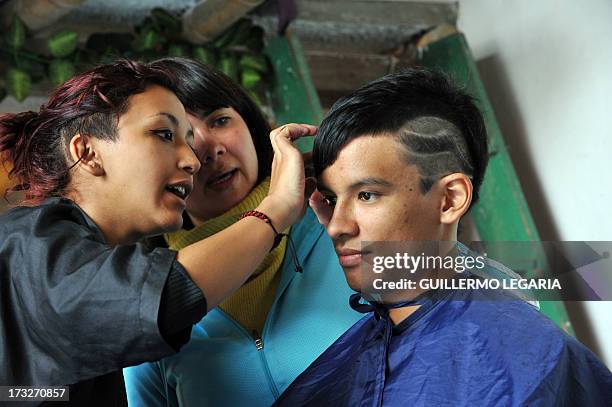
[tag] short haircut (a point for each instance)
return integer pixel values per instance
(438, 123)
(203, 89)
(34, 143)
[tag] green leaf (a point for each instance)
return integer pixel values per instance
(16, 34)
(60, 70)
(19, 83)
(63, 43)
(250, 78)
(257, 62)
(205, 55)
(178, 50)
(148, 39)
(255, 97)
(228, 64)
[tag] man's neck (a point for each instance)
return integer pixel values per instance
(397, 315)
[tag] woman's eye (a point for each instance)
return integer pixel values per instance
(220, 121)
(166, 134)
(366, 196)
(330, 200)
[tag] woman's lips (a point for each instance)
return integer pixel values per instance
(222, 181)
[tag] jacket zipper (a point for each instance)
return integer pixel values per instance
(259, 345)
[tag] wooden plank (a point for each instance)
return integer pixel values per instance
(502, 213)
(294, 97)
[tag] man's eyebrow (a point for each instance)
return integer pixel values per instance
(169, 116)
(356, 185)
(365, 182)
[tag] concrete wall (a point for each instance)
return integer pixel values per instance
(547, 66)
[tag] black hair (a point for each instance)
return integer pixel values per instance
(203, 89)
(438, 123)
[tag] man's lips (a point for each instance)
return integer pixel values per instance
(349, 257)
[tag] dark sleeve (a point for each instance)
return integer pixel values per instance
(79, 308)
(182, 305)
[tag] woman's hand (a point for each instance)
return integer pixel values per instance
(285, 202)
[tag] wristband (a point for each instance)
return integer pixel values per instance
(260, 215)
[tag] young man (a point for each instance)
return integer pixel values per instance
(402, 159)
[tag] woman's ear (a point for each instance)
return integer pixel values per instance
(84, 154)
(457, 196)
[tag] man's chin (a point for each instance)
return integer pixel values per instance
(353, 279)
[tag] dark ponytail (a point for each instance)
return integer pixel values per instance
(30, 147)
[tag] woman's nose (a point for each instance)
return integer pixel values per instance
(211, 148)
(189, 161)
(215, 151)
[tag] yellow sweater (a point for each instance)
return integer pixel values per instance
(250, 304)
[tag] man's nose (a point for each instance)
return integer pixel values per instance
(342, 223)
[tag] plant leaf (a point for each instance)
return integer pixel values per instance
(256, 62)
(205, 55)
(19, 83)
(63, 43)
(148, 39)
(60, 70)
(250, 78)
(229, 66)
(178, 50)
(16, 33)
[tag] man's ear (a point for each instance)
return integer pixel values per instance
(457, 196)
(85, 155)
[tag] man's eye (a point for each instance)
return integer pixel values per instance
(166, 134)
(366, 196)
(330, 200)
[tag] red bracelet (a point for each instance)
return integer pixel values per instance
(277, 236)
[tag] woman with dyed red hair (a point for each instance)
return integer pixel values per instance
(106, 162)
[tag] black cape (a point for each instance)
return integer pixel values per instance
(73, 310)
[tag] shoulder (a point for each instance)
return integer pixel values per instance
(511, 341)
(53, 209)
(511, 330)
(54, 219)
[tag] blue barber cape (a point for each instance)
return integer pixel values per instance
(460, 348)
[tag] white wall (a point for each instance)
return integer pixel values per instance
(547, 66)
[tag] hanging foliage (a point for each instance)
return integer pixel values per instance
(237, 52)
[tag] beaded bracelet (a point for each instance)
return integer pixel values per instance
(260, 215)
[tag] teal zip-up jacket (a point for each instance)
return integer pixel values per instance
(223, 365)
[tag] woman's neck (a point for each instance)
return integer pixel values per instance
(115, 229)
